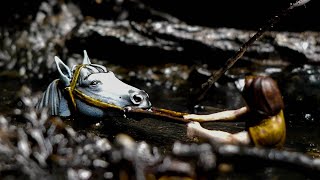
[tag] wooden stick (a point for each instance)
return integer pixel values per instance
(158, 113)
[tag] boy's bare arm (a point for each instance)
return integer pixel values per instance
(228, 115)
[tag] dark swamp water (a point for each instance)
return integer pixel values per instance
(168, 54)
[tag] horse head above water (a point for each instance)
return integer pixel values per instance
(89, 89)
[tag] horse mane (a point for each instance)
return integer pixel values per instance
(53, 99)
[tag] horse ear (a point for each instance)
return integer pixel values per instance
(64, 71)
(86, 59)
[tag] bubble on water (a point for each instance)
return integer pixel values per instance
(308, 117)
(84, 174)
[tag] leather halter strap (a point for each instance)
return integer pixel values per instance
(73, 92)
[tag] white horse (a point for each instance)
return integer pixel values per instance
(89, 89)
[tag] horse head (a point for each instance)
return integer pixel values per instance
(90, 89)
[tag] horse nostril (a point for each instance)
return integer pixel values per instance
(137, 98)
(140, 98)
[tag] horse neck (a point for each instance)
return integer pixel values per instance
(53, 99)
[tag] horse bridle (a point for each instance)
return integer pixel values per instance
(73, 92)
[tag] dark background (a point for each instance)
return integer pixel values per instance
(244, 14)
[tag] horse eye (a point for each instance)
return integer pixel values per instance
(95, 82)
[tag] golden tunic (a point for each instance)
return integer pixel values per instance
(270, 132)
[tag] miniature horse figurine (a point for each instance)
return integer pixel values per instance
(89, 89)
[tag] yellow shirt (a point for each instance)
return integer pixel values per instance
(270, 132)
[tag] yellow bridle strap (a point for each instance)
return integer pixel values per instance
(93, 101)
(73, 84)
(74, 92)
